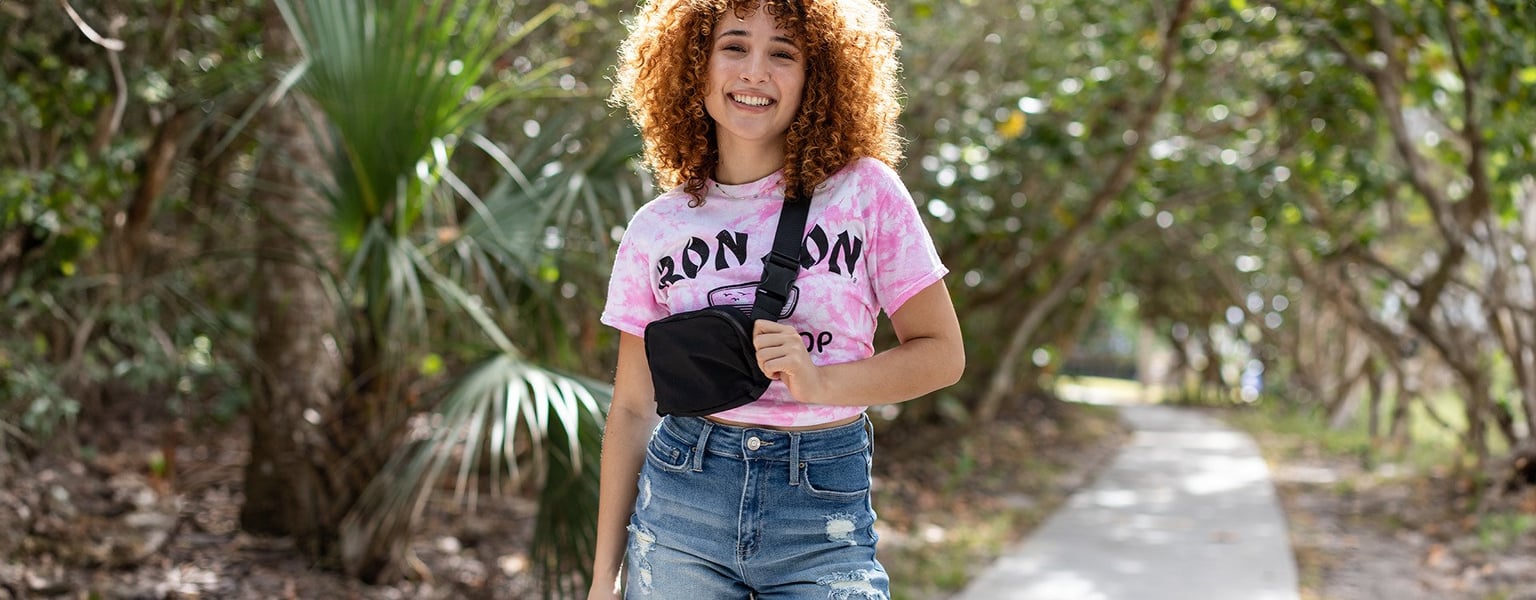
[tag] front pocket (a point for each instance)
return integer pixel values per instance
(843, 478)
(667, 455)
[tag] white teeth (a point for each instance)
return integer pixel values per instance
(752, 100)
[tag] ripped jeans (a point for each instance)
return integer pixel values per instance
(730, 513)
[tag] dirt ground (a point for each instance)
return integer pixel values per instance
(1384, 535)
(103, 527)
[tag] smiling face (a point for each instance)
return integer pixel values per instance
(756, 75)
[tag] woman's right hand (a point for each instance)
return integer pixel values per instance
(601, 591)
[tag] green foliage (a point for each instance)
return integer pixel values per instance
(1500, 531)
(44, 407)
(123, 350)
(425, 245)
(63, 178)
(51, 189)
(437, 267)
(1018, 113)
(369, 64)
(80, 325)
(1434, 427)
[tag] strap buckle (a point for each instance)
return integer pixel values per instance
(778, 277)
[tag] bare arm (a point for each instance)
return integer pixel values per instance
(929, 357)
(631, 418)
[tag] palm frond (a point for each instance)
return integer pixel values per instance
(396, 79)
(518, 213)
(401, 85)
(481, 417)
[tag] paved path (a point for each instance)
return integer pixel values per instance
(1185, 512)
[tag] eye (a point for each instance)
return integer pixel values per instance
(786, 55)
(733, 48)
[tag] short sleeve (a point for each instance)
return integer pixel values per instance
(632, 302)
(904, 260)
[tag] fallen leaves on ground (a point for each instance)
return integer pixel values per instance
(1384, 534)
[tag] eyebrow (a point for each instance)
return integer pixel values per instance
(743, 33)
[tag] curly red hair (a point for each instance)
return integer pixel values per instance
(848, 108)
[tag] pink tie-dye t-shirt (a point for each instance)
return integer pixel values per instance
(865, 250)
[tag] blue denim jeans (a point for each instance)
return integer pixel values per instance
(730, 513)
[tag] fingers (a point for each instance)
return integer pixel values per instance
(773, 344)
(764, 326)
(775, 338)
(781, 354)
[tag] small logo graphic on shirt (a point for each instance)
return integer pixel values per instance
(741, 297)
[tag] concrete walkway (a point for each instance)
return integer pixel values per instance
(1185, 512)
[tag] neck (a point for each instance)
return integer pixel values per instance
(744, 163)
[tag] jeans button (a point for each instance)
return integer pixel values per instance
(753, 443)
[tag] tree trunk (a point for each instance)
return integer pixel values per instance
(1003, 381)
(1211, 380)
(1067, 339)
(1477, 425)
(299, 373)
(153, 178)
(1403, 399)
(1373, 411)
(326, 410)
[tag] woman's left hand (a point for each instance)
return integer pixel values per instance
(781, 354)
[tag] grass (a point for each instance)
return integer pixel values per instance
(1499, 531)
(942, 564)
(1289, 429)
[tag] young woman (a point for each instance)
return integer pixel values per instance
(740, 105)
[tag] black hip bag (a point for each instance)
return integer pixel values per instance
(702, 361)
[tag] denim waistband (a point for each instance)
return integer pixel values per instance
(771, 444)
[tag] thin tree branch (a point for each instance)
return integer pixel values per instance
(112, 44)
(1479, 199)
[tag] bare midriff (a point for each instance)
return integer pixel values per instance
(837, 423)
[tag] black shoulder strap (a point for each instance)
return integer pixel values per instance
(783, 264)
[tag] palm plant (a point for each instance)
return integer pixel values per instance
(401, 86)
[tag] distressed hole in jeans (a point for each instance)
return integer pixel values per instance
(852, 585)
(641, 542)
(840, 528)
(645, 492)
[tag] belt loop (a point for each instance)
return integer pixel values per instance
(794, 458)
(698, 450)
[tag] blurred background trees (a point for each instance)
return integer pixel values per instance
(385, 252)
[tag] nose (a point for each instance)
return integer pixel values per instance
(756, 68)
